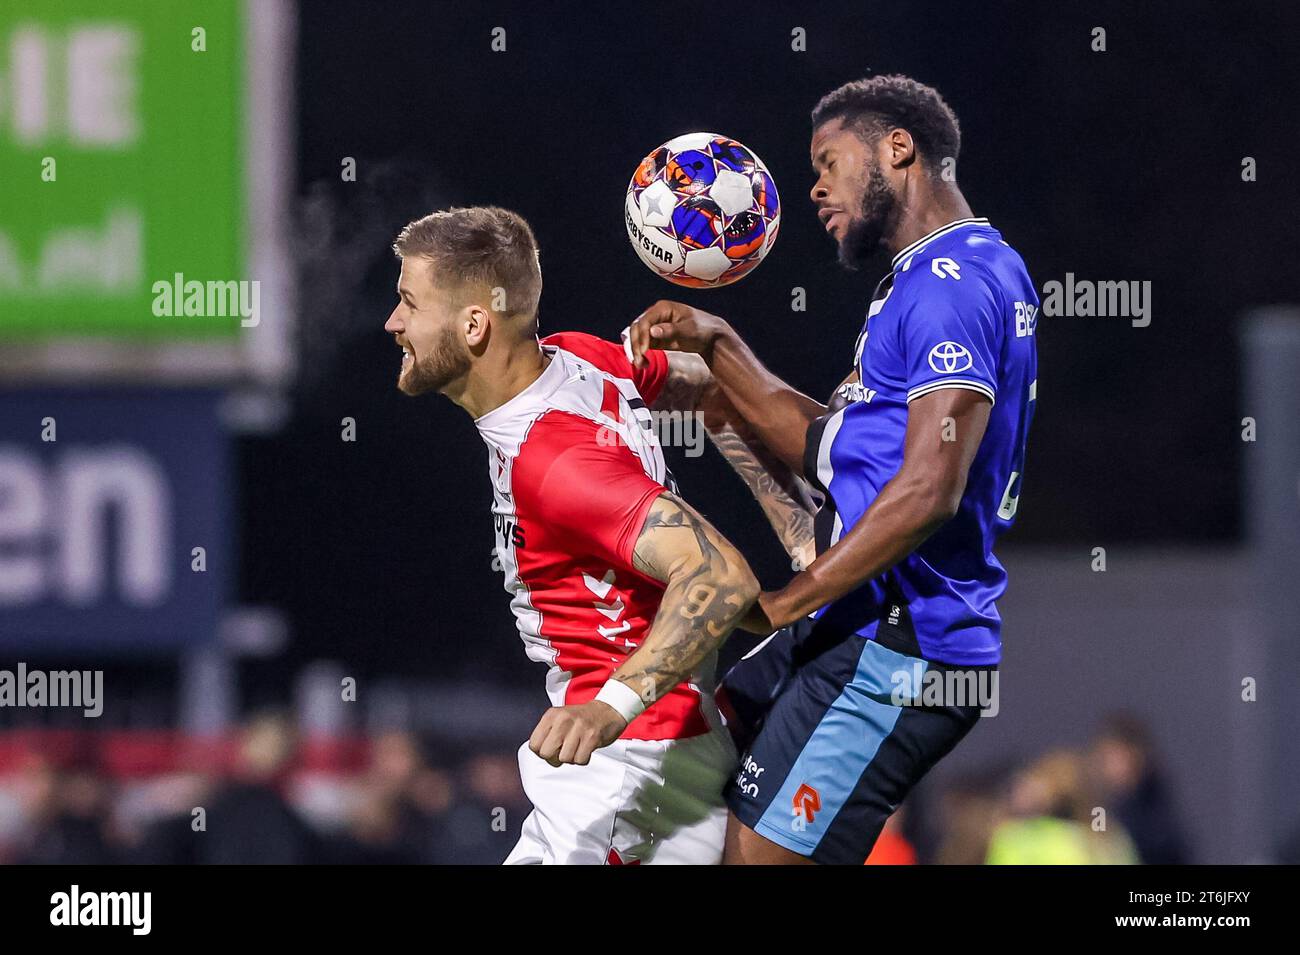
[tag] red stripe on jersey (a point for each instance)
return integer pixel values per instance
(609, 400)
(610, 357)
(581, 501)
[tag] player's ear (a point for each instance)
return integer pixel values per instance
(900, 148)
(475, 323)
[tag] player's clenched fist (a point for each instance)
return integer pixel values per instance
(570, 734)
(673, 326)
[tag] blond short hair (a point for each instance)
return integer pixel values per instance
(479, 249)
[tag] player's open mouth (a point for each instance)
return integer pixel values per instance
(406, 357)
(828, 218)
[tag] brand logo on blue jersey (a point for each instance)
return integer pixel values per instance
(949, 357)
(854, 391)
(946, 269)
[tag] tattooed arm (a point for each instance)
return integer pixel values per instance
(708, 587)
(778, 413)
(783, 495)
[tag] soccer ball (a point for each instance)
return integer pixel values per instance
(702, 210)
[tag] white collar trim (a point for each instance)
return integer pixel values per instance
(942, 230)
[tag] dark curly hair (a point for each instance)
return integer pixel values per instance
(873, 106)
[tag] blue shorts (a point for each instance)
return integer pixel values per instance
(829, 752)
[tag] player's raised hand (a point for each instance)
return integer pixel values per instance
(672, 326)
(570, 734)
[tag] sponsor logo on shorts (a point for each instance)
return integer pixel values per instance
(747, 778)
(807, 802)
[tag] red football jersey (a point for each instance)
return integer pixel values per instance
(575, 466)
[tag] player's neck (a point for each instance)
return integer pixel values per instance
(931, 208)
(498, 378)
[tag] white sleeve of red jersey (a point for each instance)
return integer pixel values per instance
(592, 491)
(612, 358)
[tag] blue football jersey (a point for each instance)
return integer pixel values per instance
(958, 310)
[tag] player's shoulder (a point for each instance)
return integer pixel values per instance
(607, 356)
(963, 247)
(615, 359)
(573, 341)
(572, 463)
(966, 260)
(553, 433)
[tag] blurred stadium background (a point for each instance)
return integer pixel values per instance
(326, 560)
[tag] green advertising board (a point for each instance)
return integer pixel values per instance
(129, 174)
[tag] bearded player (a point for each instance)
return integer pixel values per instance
(616, 584)
(919, 456)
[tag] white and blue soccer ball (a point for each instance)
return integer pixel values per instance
(702, 210)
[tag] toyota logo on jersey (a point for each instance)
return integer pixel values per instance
(949, 357)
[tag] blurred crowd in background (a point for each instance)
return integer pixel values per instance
(264, 796)
(268, 796)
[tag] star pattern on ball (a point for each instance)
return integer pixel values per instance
(706, 215)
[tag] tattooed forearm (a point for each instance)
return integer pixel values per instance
(688, 378)
(708, 588)
(784, 496)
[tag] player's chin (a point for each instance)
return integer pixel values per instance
(855, 246)
(410, 382)
(409, 385)
(847, 255)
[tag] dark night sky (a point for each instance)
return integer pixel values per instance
(1116, 165)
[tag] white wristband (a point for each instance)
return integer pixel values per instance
(623, 698)
(627, 343)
